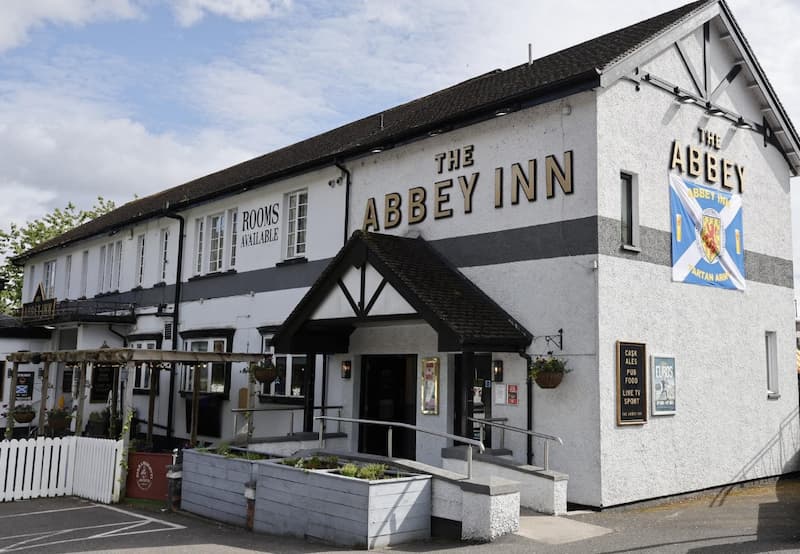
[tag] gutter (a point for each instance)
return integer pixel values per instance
(347, 181)
(175, 317)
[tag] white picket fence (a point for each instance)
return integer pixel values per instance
(76, 466)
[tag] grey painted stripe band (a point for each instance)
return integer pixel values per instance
(577, 237)
(656, 248)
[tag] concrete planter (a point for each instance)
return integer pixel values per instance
(323, 505)
(214, 486)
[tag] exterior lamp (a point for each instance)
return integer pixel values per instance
(347, 369)
(497, 370)
(742, 124)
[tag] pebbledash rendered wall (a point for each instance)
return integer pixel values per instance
(725, 428)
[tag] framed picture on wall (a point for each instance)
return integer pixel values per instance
(430, 386)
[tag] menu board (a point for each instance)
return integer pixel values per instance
(631, 383)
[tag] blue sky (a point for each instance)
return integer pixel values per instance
(124, 97)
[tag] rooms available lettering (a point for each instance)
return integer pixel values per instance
(515, 182)
(261, 225)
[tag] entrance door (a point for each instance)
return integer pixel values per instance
(388, 393)
(478, 389)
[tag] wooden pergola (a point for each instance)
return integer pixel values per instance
(119, 358)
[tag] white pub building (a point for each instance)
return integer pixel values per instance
(623, 204)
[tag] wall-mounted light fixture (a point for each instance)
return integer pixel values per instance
(347, 369)
(497, 371)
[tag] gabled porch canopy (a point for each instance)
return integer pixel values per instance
(378, 278)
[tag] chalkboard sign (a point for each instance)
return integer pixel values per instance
(102, 383)
(24, 388)
(631, 383)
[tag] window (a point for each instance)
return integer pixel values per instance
(50, 279)
(139, 276)
(117, 270)
(296, 222)
(199, 230)
(143, 378)
(770, 340)
(216, 231)
(32, 282)
(629, 216)
(232, 218)
(215, 242)
(67, 273)
(101, 278)
(164, 249)
(291, 374)
(84, 273)
(213, 375)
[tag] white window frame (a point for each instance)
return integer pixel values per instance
(284, 385)
(233, 221)
(215, 247)
(84, 273)
(101, 277)
(210, 344)
(199, 232)
(164, 250)
(142, 379)
(296, 224)
(49, 278)
(140, 259)
(216, 242)
(117, 269)
(67, 274)
(771, 350)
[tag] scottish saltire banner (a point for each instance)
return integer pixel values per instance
(707, 238)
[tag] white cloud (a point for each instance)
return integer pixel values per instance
(189, 12)
(20, 16)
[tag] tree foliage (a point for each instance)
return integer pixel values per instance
(21, 238)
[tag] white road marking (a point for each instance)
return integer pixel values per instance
(127, 528)
(49, 511)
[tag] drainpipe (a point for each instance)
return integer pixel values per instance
(324, 400)
(529, 392)
(175, 318)
(348, 179)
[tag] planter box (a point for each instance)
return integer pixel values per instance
(213, 486)
(342, 510)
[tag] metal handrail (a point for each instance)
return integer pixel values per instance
(502, 431)
(390, 424)
(525, 432)
(287, 408)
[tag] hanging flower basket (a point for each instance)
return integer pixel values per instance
(548, 379)
(548, 372)
(23, 414)
(265, 372)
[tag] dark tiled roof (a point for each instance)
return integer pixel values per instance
(550, 75)
(444, 297)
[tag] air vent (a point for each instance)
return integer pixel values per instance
(168, 331)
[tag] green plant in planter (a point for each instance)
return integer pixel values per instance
(548, 371)
(372, 472)
(57, 419)
(349, 470)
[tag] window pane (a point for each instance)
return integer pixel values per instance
(217, 377)
(298, 374)
(280, 382)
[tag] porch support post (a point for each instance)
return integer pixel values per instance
(45, 389)
(195, 402)
(465, 393)
(113, 417)
(151, 400)
(12, 399)
(308, 386)
(81, 398)
(127, 399)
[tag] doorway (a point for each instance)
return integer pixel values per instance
(388, 393)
